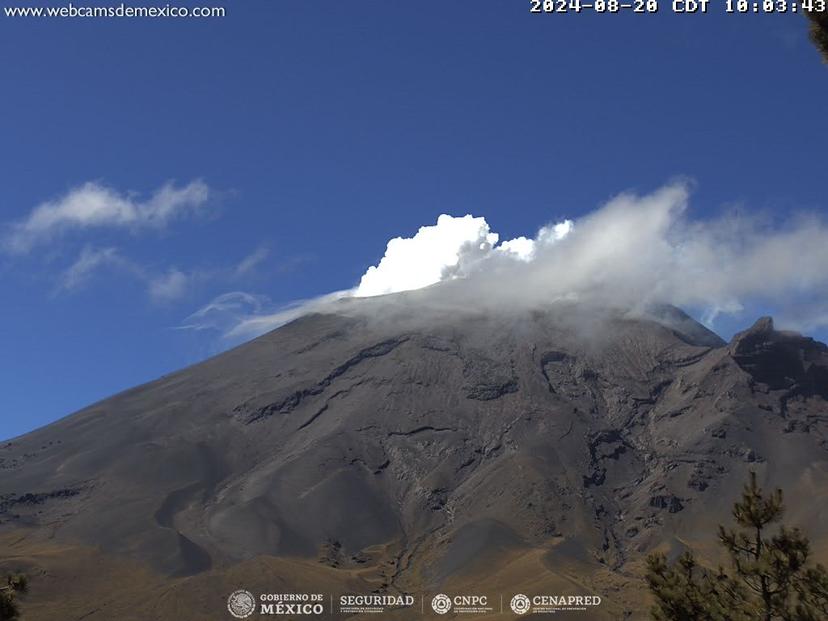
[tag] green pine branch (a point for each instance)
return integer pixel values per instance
(769, 578)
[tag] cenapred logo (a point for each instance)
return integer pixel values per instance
(441, 604)
(241, 604)
(520, 604)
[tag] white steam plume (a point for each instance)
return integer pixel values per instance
(435, 253)
(450, 249)
(632, 252)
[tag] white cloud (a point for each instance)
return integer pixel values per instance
(169, 286)
(251, 261)
(224, 312)
(521, 248)
(93, 205)
(634, 251)
(163, 287)
(435, 253)
(255, 324)
(238, 316)
(449, 249)
(175, 284)
(640, 250)
(88, 262)
(524, 248)
(551, 234)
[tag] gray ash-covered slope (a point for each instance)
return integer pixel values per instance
(448, 438)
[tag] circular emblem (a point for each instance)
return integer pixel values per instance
(241, 604)
(441, 604)
(520, 604)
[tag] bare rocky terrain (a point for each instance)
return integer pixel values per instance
(391, 446)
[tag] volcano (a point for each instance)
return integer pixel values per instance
(388, 446)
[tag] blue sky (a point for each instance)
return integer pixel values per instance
(321, 130)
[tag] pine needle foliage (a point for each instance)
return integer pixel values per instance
(768, 580)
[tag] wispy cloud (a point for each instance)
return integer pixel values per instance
(237, 316)
(253, 324)
(163, 286)
(89, 261)
(174, 284)
(93, 205)
(225, 312)
(170, 286)
(251, 261)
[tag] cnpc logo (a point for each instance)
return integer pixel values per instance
(442, 603)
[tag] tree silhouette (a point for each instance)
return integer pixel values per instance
(13, 584)
(819, 31)
(768, 579)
